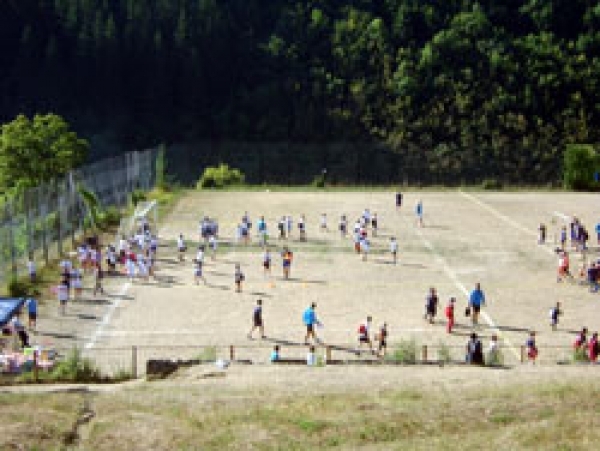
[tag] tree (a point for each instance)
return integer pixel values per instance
(580, 167)
(38, 150)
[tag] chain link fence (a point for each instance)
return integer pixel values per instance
(42, 221)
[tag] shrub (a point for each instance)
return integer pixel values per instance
(76, 368)
(318, 181)
(208, 354)
(580, 355)
(404, 352)
(494, 358)
(19, 288)
(491, 184)
(579, 167)
(110, 217)
(137, 196)
(220, 177)
(443, 354)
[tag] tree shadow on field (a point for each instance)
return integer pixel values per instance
(92, 301)
(87, 317)
(260, 293)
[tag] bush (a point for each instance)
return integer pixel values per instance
(76, 368)
(494, 358)
(19, 288)
(405, 352)
(443, 354)
(580, 166)
(318, 181)
(137, 196)
(110, 217)
(208, 354)
(580, 355)
(491, 184)
(220, 177)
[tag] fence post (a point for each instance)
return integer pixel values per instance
(35, 366)
(522, 354)
(134, 362)
(424, 353)
(328, 354)
(231, 353)
(11, 237)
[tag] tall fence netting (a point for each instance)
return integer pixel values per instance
(42, 221)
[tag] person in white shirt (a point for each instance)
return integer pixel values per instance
(200, 255)
(130, 266)
(62, 292)
(324, 222)
(212, 244)
(311, 358)
(31, 270)
(365, 248)
(394, 249)
(181, 248)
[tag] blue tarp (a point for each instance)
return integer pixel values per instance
(8, 307)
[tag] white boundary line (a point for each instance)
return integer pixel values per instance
(452, 275)
(108, 316)
(505, 218)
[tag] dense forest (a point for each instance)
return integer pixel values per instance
(455, 86)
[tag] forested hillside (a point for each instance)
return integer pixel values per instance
(456, 85)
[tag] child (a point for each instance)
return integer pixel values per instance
(98, 276)
(542, 234)
(343, 226)
(63, 295)
(324, 222)
(593, 348)
(275, 354)
(302, 228)
(357, 241)
(450, 315)
(281, 228)
(77, 283)
(431, 305)
(532, 350)
(239, 278)
(419, 213)
(311, 358)
(212, 244)
(563, 266)
(289, 222)
(364, 248)
(364, 334)
(563, 237)
(287, 262)
(198, 273)
(181, 247)
(31, 270)
(394, 249)
(382, 339)
(374, 224)
(200, 255)
(130, 266)
(493, 351)
(267, 262)
(398, 200)
(32, 312)
(555, 312)
(257, 321)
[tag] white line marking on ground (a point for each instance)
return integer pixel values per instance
(506, 219)
(452, 275)
(108, 316)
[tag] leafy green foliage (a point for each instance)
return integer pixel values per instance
(581, 162)
(462, 89)
(220, 177)
(18, 288)
(92, 206)
(76, 368)
(404, 352)
(35, 151)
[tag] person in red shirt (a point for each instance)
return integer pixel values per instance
(450, 315)
(593, 348)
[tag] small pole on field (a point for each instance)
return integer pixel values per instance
(231, 353)
(35, 366)
(522, 354)
(134, 362)
(328, 354)
(424, 353)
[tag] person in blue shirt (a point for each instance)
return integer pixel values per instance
(598, 232)
(476, 301)
(310, 321)
(275, 354)
(419, 213)
(32, 312)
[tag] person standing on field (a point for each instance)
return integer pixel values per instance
(257, 320)
(310, 321)
(476, 301)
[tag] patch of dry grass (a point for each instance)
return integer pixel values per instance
(543, 417)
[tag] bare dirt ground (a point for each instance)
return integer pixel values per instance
(467, 238)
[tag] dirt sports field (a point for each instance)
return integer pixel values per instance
(467, 237)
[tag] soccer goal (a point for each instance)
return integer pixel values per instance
(143, 219)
